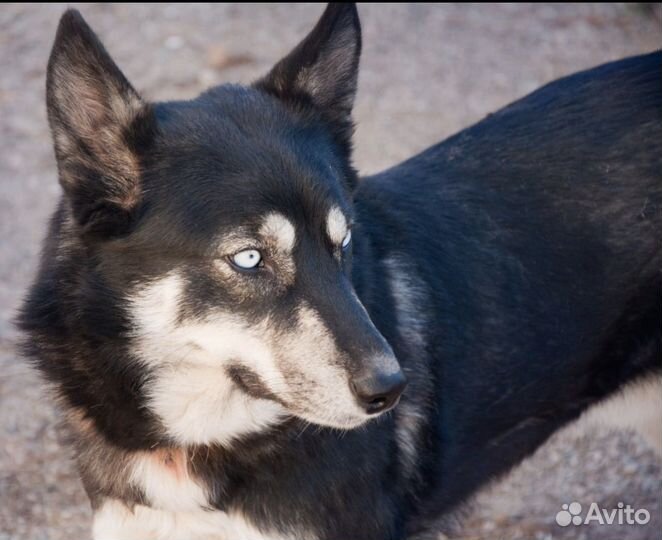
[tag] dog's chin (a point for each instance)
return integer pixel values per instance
(343, 421)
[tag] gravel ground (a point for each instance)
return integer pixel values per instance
(427, 71)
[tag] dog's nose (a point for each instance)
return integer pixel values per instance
(379, 391)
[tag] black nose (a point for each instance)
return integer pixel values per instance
(379, 392)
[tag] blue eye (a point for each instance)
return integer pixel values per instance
(347, 239)
(247, 259)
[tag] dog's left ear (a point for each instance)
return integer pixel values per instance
(322, 70)
(100, 126)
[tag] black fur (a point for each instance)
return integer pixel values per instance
(533, 238)
(540, 233)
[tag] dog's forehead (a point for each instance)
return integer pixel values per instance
(240, 126)
(224, 163)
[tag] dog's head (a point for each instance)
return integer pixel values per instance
(218, 231)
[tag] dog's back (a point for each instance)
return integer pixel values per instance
(536, 235)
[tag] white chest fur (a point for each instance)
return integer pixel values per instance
(115, 521)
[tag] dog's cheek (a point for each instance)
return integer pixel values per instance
(189, 389)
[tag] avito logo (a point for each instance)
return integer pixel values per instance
(622, 515)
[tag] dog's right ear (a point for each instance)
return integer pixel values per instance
(100, 127)
(322, 70)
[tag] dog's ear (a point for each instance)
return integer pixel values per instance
(100, 127)
(323, 69)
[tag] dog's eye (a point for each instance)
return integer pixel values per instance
(247, 259)
(347, 240)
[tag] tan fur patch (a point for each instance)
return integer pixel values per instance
(336, 225)
(163, 476)
(174, 461)
(279, 230)
(104, 468)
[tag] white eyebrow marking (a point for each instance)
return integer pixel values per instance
(336, 225)
(280, 229)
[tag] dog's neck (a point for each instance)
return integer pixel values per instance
(166, 476)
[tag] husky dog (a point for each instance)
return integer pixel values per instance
(226, 312)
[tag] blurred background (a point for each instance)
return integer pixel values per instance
(427, 71)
